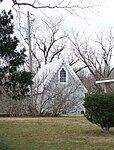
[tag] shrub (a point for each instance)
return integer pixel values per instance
(99, 109)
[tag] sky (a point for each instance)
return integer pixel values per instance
(100, 18)
(105, 15)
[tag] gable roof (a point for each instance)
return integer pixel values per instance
(47, 72)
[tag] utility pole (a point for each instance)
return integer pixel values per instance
(30, 50)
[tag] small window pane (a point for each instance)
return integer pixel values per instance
(62, 75)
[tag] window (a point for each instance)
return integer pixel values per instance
(62, 75)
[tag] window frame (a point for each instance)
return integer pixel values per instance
(59, 75)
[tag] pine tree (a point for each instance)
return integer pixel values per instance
(13, 80)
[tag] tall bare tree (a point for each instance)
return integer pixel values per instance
(68, 5)
(57, 99)
(52, 41)
(96, 57)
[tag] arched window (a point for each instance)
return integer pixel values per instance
(62, 75)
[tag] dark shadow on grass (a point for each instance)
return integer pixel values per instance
(97, 132)
(4, 146)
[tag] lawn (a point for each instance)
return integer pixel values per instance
(59, 133)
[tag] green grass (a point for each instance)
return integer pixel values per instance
(59, 133)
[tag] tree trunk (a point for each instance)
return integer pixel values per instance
(106, 129)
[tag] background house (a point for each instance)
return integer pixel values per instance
(107, 85)
(57, 89)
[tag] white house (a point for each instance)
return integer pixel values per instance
(57, 89)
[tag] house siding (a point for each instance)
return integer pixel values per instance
(66, 97)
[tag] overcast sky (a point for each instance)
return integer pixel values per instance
(102, 17)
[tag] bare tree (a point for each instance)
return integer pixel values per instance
(96, 57)
(48, 40)
(78, 8)
(56, 99)
(11, 107)
(69, 5)
(52, 41)
(88, 80)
